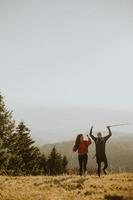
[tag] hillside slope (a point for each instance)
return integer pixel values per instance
(119, 152)
(110, 187)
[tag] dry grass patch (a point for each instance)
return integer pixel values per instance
(110, 187)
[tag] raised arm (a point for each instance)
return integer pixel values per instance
(89, 141)
(110, 133)
(91, 135)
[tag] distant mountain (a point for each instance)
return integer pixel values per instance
(61, 123)
(119, 151)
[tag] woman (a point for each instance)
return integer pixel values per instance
(81, 146)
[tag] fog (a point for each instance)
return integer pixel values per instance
(67, 64)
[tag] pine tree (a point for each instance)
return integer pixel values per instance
(7, 128)
(18, 153)
(43, 168)
(25, 156)
(4, 157)
(64, 164)
(7, 124)
(55, 162)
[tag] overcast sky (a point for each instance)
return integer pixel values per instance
(67, 53)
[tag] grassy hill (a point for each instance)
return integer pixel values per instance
(110, 187)
(119, 151)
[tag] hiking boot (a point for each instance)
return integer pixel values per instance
(98, 174)
(85, 173)
(104, 172)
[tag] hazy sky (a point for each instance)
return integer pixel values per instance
(67, 53)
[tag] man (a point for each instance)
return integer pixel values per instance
(100, 143)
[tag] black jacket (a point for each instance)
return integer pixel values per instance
(100, 146)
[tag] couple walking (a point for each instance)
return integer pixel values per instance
(82, 145)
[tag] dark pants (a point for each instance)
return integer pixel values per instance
(105, 161)
(82, 163)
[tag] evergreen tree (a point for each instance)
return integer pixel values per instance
(18, 153)
(56, 164)
(25, 156)
(43, 168)
(7, 128)
(4, 157)
(7, 124)
(64, 164)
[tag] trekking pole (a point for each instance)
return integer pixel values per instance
(114, 125)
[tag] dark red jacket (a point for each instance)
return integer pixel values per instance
(83, 147)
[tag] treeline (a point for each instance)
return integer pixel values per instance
(18, 153)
